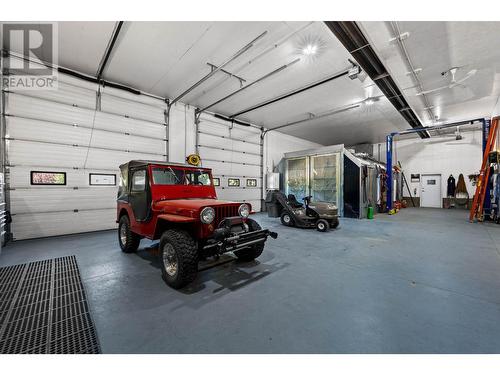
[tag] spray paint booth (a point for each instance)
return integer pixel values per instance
(334, 174)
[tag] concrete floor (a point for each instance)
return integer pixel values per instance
(423, 281)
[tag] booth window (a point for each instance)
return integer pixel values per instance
(102, 179)
(251, 182)
(48, 178)
(233, 182)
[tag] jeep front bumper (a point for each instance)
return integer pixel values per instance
(236, 241)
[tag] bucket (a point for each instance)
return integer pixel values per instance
(369, 214)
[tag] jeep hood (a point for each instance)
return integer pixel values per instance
(179, 205)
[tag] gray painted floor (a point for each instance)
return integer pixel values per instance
(422, 281)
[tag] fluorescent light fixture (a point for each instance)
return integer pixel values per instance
(310, 49)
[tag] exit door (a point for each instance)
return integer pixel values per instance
(430, 193)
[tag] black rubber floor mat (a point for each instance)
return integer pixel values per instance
(44, 309)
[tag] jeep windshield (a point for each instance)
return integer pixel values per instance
(179, 176)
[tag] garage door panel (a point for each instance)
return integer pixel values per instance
(113, 159)
(127, 142)
(229, 169)
(33, 130)
(248, 134)
(41, 109)
(120, 106)
(65, 94)
(27, 129)
(25, 201)
(225, 143)
(29, 153)
(22, 153)
(212, 127)
(239, 194)
(229, 156)
(122, 124)
(243, 182)
(58, 223)
(20, 176)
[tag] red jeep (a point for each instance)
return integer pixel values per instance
(177, 204)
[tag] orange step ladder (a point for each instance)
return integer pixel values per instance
(476, 211)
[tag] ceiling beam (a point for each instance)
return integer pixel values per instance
(219, 68)
(291, 93)
(109, 49)
(313, 117)
(283, 67)
(353, 39)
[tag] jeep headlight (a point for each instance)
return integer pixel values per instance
(207, 215)
(244, 210)
(331, 207)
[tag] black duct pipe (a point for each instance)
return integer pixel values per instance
(231, 120)
(95, 80)
(292, 93)
(353, 39)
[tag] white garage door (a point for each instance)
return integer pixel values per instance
(234, 153)
(63, 155)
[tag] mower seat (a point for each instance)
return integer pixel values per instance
(292, 201)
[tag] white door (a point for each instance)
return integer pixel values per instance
(430, 194)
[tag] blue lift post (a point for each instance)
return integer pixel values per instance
(389, 139)
(388, 145)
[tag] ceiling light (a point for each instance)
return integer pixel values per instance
(371, 100)
(310, 49)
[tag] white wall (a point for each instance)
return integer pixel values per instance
(276, 144)
(438, 155)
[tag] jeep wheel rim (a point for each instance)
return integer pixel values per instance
(169, 260)
(321, 226)
(123, 234)
(286, 219)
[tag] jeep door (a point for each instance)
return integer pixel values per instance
(140, 196)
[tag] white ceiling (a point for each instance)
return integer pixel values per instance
(435, 47)
(165, 58)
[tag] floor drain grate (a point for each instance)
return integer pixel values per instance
(44, 309)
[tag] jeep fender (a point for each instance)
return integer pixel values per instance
(165, 221)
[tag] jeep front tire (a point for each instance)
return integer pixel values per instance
(129, 241)
(178, 258)
(254, 251)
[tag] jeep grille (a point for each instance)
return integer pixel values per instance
(221, 212)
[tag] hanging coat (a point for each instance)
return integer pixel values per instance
(450, 191)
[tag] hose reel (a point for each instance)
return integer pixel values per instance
(194, 159)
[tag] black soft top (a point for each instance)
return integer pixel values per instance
(141, 163)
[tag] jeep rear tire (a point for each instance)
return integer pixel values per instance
(178, 258)
(128, 240)
(254, 251)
